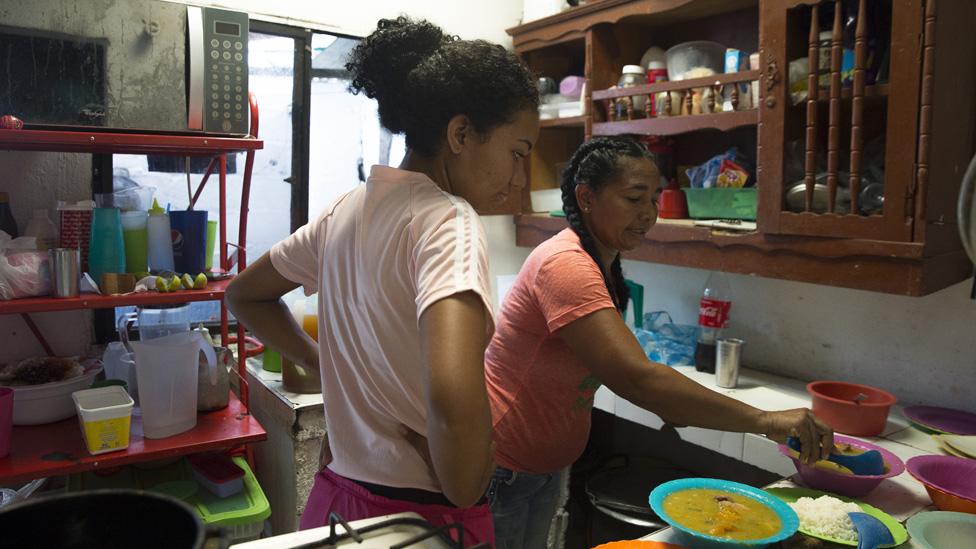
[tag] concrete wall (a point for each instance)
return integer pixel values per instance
(36, 181)
(921, 349)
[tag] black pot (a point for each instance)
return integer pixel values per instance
(102, 519)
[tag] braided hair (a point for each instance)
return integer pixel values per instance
(593, 164)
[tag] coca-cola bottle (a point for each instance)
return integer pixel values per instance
(713, 314)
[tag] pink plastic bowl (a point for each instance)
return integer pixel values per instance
(833, 402)
(846, 485)
(950, 481)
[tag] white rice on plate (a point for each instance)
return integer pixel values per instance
(827, 516)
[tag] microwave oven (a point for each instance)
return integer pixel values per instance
(124, 65)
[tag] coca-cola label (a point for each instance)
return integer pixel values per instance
(713, 313)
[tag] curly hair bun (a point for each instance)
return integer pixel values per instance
(421, 78)
(382, 62)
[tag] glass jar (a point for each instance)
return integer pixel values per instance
(632, 75)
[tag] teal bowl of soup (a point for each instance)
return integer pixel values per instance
(708, 513)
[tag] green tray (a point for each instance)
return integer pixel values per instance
(722, 203)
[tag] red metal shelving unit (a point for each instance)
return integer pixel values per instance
(58, 448)
(214, 291)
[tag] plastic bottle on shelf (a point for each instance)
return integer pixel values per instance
(160, 239)
(657, 71)
(7, 222)
(42, 228)
(713, 315)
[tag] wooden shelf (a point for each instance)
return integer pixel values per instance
(674, 125)
(214, 291)
(677, 85)
(59, 449)
(892, 267)
(568, 122)
(87, 141)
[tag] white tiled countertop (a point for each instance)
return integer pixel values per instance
(901, 496)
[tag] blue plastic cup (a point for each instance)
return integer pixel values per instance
(106, 247)
(189, 229)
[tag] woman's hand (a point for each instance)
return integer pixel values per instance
(816, 437)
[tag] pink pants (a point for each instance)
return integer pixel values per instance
(334, 493)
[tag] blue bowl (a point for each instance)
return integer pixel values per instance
(698, 540)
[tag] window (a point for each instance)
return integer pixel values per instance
(346, 138)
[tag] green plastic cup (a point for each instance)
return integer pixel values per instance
(271, 360)
(211, 244)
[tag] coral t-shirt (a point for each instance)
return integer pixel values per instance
(378, 257)
(540, 394)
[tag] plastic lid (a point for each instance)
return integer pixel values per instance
(217, 468)
(156, 210)
(656, 65)
(633, 69)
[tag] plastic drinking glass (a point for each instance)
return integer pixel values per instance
(189, 229)
(136, 238)
(211, 244)
(106, 250)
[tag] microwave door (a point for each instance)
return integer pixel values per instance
(116, 63)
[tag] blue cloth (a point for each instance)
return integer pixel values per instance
(522, 506)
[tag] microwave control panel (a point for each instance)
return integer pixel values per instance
(225, 104)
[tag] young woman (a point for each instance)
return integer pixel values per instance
(400, 266)
(560, 335)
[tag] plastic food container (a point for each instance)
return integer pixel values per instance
(105, 415)
(242, 515)
(852, 409)
(217, 473)
(722, 203)
(49, 402)
(700, 54)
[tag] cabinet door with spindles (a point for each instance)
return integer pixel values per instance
(840, 130)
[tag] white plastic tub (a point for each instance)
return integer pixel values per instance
(105, 416)
(49, 402)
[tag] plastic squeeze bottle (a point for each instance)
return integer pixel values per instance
(160, 240)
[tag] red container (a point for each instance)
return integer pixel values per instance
(834, 402)
(672, 204)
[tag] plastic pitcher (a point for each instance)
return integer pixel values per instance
(166, 369)
(155, 321)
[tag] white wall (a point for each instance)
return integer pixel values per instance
(36, 181)
(921, 349)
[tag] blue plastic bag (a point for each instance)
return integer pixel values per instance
(665, 342)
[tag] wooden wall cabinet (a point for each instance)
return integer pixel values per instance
(900, 125)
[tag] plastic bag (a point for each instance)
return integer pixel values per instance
(705, 175)
(24, 274)
(24, 271)
(665, 342)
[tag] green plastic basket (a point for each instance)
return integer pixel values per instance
(242, 514)
(722, 203)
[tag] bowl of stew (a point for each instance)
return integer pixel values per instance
(709, 513)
